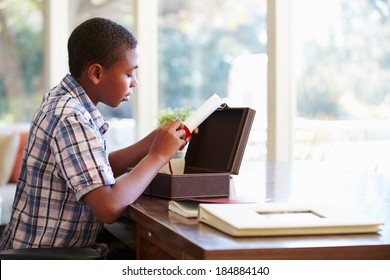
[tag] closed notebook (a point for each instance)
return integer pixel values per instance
(280, 219)
(189, 207)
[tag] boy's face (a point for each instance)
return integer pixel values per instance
(117, 82)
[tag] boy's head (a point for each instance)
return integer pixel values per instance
(98, 40)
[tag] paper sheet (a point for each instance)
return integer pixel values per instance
(203, 112)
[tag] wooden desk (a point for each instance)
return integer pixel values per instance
(156, 233)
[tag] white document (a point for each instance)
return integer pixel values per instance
(203, 112)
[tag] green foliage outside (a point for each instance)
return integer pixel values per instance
(196, 50)
(21, 45)
(165, 115)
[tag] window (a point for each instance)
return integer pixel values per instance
(27, 43)
(22, 80)
(207, 47)
(342, 78)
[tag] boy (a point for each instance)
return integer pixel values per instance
(67, 187)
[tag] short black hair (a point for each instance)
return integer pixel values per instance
(98, 40)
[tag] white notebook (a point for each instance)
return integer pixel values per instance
(278, 219)
(188, 209)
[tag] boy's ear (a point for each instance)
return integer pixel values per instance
(94, 73)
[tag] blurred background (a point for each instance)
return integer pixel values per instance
(317, 72)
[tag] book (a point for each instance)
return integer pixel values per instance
(281, 219)
(189, 207)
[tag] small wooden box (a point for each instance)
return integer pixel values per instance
(213, 155)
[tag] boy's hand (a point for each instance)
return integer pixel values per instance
(169, 138)
(188, 139)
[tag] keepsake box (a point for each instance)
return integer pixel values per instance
(213, 155)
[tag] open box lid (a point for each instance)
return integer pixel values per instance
(220, 144)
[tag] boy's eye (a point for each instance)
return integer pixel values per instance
(130, 75)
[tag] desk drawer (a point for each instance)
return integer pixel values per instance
(156, 242)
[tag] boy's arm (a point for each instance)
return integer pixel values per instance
(108, 202)
(130, 156)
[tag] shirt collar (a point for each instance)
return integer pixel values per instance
(76, 91)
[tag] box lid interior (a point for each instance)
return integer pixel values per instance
(220, 144)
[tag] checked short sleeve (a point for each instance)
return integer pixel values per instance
(80, 153)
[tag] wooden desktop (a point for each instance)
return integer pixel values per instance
(153, 232)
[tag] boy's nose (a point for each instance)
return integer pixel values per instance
(134, 82)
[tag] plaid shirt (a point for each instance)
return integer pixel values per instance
(64, 158)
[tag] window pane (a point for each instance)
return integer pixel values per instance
(342, 77)
(208, 47)
(21, 56)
